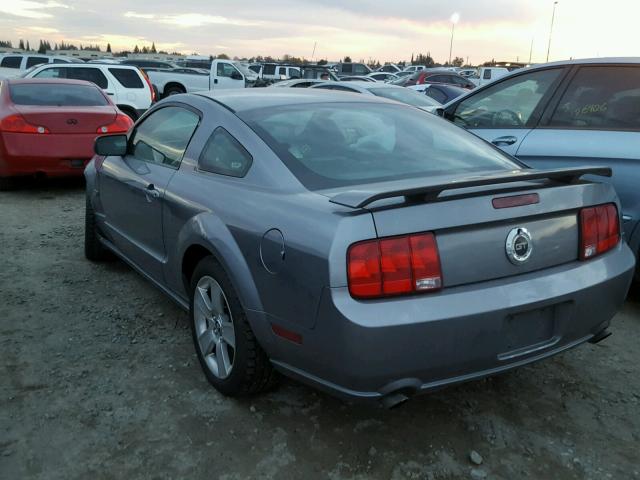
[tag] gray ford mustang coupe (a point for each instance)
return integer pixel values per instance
(354, 243)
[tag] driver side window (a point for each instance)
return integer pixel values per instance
(508, 104)
(225, 70)
(164, 135)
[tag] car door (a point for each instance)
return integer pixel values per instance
(506, 112)
(132, 188)
(595, 120)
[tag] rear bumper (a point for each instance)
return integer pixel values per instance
(53, 155)
(367, 350)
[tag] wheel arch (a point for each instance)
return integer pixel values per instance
(171, 85)
(206, 235)
(128, 110)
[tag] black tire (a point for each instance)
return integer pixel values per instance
(175, 90)
(252, 371)
(93, 249)
(129, 112)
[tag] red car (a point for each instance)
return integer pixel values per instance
(48, 126)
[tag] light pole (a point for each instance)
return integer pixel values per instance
(455, 18)
(553, 16)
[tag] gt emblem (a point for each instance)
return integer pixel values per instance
(519, 246)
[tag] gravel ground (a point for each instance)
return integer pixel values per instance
(98, 379)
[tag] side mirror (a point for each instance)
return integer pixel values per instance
(440, 112)
(111, 145)
(237, 76)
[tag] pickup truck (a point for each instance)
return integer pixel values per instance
(487, 75)
(223, 74)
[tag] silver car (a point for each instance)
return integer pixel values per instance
(564, 114)
(354, 243)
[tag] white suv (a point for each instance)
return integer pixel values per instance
(127, 86)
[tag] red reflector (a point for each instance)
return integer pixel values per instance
(17, 124)
(516, 200)
(394, 266)
(287, 334)
(599, 230)
(121, 124)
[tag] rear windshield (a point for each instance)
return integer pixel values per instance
(404, 95)
(47, 94)
(127, 77)
(341, 144)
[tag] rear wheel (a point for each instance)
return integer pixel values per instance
(174, 90)
(226, 347)
(93, 249)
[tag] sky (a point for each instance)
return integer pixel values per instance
(383, 30)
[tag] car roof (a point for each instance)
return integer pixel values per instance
(239, 100)
(586, 61)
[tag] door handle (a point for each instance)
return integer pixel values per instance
(110, 93)
(504, 141)
(215, 80)
(151, 191)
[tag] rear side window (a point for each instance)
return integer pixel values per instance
(486, 75)
(11, 62)
(269, 70)
(127, 77)
(600, 97)
(58, 60)
(224, 155)
(164, 135)
(31, 61)
(42, 94)
(508, 104)
(347, 67)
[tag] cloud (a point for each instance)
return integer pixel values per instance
(146, 16)
(29, 9)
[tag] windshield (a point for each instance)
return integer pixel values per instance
(339, 144)
(246, 71)
(405, 95)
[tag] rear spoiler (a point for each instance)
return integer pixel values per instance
(413, 189)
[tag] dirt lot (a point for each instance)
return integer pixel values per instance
(98, 379)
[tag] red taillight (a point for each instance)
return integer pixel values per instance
(17, 124)
(153, 90)
(121, 124)
(394, 266)
(599, 230)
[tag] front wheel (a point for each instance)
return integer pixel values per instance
(226, 347)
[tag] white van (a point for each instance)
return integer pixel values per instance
(13, 64)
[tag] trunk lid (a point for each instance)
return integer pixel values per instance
(65, 120)
(472, 234)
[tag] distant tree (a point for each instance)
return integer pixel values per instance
(412, 59)
(223, 56)
(6, 44)
(28, 46)
(21, 44)
(145, 49)
(347, 59)
(458, 62)
(322, 62)
(108, 48)
(136, 49)
(153, 47)
(41, 47)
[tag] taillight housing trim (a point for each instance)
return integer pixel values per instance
(394, 266)
(599, 230)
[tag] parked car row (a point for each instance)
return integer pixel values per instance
(452, 256)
